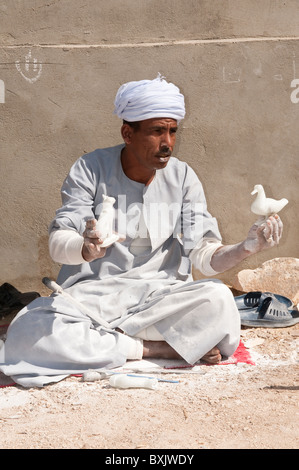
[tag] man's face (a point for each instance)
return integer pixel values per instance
(151, 145)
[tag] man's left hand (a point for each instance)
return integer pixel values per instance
(263, 236)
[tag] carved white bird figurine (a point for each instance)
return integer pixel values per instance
(105, 222)
(266, 206)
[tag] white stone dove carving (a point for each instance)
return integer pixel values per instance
(104, 224)
(266, 206)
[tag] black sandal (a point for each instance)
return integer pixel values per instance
(254, 299)
(12, 300)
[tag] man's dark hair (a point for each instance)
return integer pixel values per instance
(135, 125)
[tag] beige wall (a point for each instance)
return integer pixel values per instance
(61, 63)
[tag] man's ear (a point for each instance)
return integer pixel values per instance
(126, 132)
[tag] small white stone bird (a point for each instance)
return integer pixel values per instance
(105, 222)
(266, 206)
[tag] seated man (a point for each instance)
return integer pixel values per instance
(140, 286)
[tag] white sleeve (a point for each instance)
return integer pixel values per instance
(202, 253)
(65, 247)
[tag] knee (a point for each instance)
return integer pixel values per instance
(223, 300)
(220, 292)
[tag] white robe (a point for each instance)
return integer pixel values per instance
(134, 287)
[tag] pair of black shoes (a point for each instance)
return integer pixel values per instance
(264, 309)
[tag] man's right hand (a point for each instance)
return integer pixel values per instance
(92, 249)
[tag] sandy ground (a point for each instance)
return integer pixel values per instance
(219, 407)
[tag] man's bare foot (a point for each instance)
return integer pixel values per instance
(212, 357)
(162, 350)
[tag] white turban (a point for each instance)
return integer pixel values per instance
(147, 99)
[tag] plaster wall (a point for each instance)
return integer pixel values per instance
(61, 63)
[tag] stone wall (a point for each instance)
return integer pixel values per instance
(61, 63)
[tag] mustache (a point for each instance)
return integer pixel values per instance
(164, 154)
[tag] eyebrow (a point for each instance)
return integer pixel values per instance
(157, 127)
